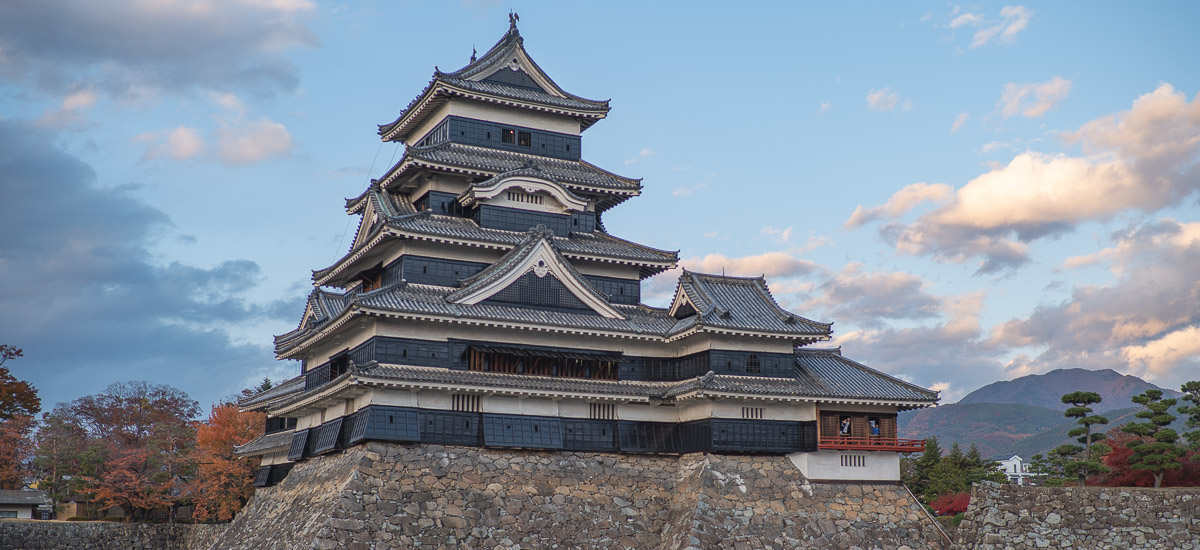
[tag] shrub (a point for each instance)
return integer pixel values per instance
(79, 518)
(952, 504)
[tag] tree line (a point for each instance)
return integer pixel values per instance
(135, 445)
(1141, 453)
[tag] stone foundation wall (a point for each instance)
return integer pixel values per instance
(381, 495)
(1014, 517)
(71, 535)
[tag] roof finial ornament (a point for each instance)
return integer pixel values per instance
(473, 52)
(512, 20)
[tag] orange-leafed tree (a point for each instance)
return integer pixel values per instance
(16, 448)
(222, 483)
(128, 481)
(19, 403)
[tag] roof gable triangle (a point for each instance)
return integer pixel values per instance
(536, 255)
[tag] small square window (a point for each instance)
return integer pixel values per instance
(508, 136)
(524, 139)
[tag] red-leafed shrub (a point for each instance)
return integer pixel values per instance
(949, 505)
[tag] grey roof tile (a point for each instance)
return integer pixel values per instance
(578, 174)
(264, 444)
(22, 497)
(263, 399)
(843, 377)
(740, 303)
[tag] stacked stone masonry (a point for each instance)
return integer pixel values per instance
(1010, 517)
(381, 495)
(63, 535)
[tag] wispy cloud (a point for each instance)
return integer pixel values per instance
(901, 202)
(645, 152)
(1032, 99)
(71, 110)
(959, 122)
(1013, 20)
(782, 235)
(180, 143)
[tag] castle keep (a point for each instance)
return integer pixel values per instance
(484, 303)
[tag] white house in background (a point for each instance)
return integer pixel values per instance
(1016, 469)
(20, 504)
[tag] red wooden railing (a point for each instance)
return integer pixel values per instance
(872, 443)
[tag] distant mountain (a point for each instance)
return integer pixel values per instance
(1025, 416)
(1046, 390)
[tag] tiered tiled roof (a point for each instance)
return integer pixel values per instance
(752, 312)
(425, 225)
(838, 379)
(265, 444)
(838, 376)
(468, 82)
(740, 303)
(578, 175)
(264, 399)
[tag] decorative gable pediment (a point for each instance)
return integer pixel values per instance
(536, 257)
(524, 186)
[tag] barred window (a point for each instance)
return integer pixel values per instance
(854, 461)
(752, 413)
(508, 136)
(752, 366)
(600, 411)
(465, 403)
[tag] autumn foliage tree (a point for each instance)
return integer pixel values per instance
(128, 445)
(222, 483)
(19, 403)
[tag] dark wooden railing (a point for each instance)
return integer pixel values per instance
(871, 443)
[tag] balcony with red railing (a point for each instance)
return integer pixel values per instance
(870, 443)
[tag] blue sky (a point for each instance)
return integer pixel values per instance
(971, 192)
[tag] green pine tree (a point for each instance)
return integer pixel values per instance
(1088, 465)
(1191, 393)
(1161, 452)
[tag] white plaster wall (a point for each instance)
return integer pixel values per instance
(695, 410)
(274, 458)
(511, 115)
(648, 413)
(732, 408)
(23, 512)
(574, 408)
(827, 465)
(394, 398)
(514, 405)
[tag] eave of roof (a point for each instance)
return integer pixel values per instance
(467, 82)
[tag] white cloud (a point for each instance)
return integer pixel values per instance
(825, 106)
(771, 264)
(882, 100)
(1032, 99)
(1143, 159)
(1158, 357)
(782, 234)
(71, 109)
(973, 19)
(1146, 323)
(901, 202)
(1013, 20)
(959, 122)
(229, 102)
(868, 298)
(181, 143)
(253, 142)
(645, 152)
